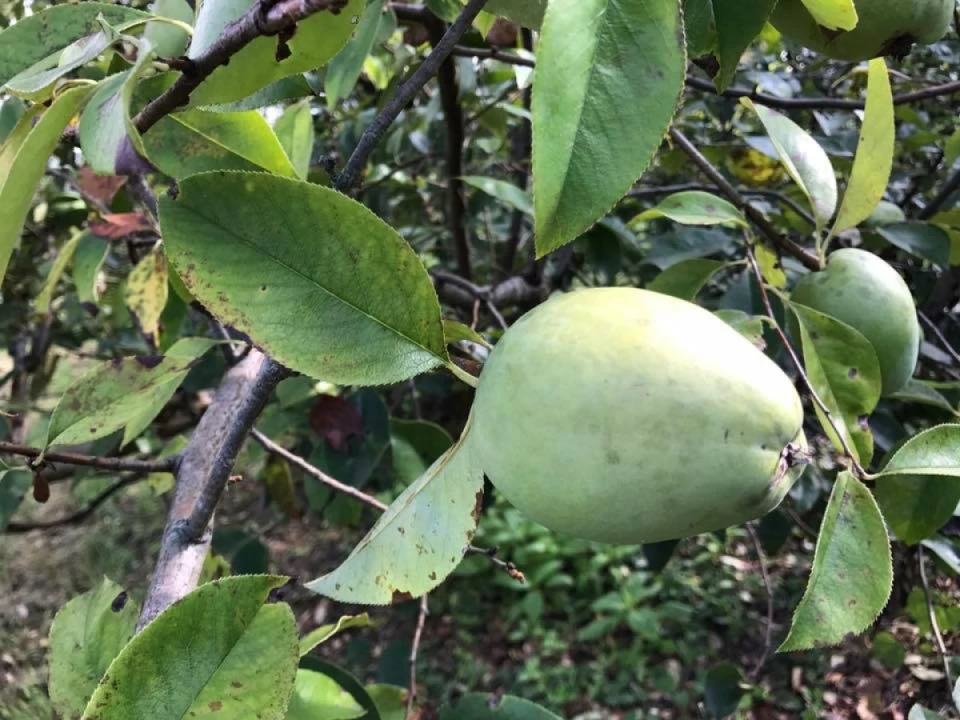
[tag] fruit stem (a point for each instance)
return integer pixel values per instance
(463, 375)
(855, 466)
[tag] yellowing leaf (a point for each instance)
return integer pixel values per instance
(833, 14)
(146, 292)
(874, 159)
(770, 266)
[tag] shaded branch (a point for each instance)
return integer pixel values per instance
(493, 53)
(414, 649)
(819, 103)
(951, 186)
(118, 464)
(79, 516)
(202, 474)
(782, 242)
(768, 635)
(405, 94)
(265, 17)
(453, 117)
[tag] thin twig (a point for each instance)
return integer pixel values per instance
(940, 336)
(79, 516)
(414, 649)
(951, 186)
(809, 260)
(822, 103)
(854, 464)
(274, 449)
(493, 53)
(932, 617)
(263, 18)
(405, 94)
(118, 464)
(768, 637)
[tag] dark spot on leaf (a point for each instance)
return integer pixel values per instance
(119, 602)
(236, 684)
(215, 705)
(852, 373)
(399, 596)
(149, 361)
(613, 457)
(477, 507)
(432, 576)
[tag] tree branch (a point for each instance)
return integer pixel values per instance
(940, 199)
(414, 649)
(782, 242)
(820, 103)
(405, 94)
(203, 472)
(493, 53)
(118, 464)
(79, 516)
(932, 617)
(265, 17)
(453, 116)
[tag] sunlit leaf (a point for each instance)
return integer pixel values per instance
(244, 667)
(694, 207)
(804, 159)
(146, 292)
(323, 633)
(314, 278)
(87, 634)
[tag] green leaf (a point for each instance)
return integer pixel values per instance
(694, 207)
(146, 292)
(416, 445)
(852, 572)
(166, 38)
(804, 160)
(38, 81)
(14, 484)
(917, 391)
(685, 243)
(833, 14)
(482, 706)
(87, 634)
(946, 550)
(724, 29)
(874, 158)
(504, 191)
(609, 78)
(685, 279)
(317, 40)
(125, 393)
(11, 110)
(845, 372)
(42, 301)
(108, 137)
(23, 160)
(419, 540)
(216, 141)
(391, 700)
(750, 326)
(296, 135)
(918, 488)
(323, 633)
(345, 680)
(455, 331)
(888, 651)
(319, 697)
(244, 666)
(528, 13)
(315, 279)
(32, 39)
(924, 240)
(345, 68)
(722, 689)
(88, 258)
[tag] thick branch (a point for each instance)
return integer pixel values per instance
(453, 116)
(202, 475)
(118, 464)
(263, 18)
(405, 94)
(784, 243)
(514, 291)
